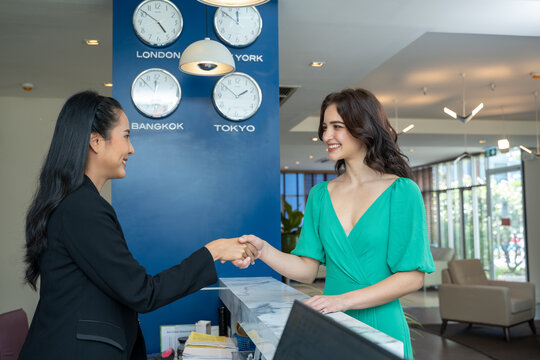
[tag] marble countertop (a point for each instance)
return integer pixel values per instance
(262, 305)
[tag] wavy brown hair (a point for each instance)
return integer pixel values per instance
(366, 120)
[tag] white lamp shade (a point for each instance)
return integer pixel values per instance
(233, 3)
(207, 58)
(503, 144)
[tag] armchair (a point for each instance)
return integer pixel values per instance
(13, 330)
(466, 295)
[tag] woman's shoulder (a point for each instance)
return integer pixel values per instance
(405, 187)
(83, 201)
(319, 189)
(406, 183)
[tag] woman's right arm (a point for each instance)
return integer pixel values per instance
(93, 238)
(299, 268)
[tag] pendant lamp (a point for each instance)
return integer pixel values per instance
(535, 93)
(233, 3)
(537, 133)
(503, 143)
(523, 147)
(407, 128)
(463, 118)
(207, 57)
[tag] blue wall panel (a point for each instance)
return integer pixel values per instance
(187, 187)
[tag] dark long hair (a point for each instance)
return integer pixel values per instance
(366, 120)
(63, 170)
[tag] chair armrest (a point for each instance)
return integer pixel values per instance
(435, 277)
(321, 272)
(517, 289)
(475, 303)
(441, 264)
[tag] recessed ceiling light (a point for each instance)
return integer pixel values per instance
(107, 84)
(525, 149)
(317, 64)
(298, 163)
(285, 167)
(482, 141)
(27, 86)
(411, 149)
(314, 139)
(311, 156)
(92, 42)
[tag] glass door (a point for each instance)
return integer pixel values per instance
(507, 241)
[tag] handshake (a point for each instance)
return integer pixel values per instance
(241, 251)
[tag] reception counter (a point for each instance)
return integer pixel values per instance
(262, 305)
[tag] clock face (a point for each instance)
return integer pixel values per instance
(238, 27)
(156, 93)
(237, 96)
(157, 22)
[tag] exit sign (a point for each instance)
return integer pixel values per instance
(490, 151)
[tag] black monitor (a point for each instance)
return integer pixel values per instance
(311, 335)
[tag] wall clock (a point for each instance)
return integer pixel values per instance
(156, 93)
(237, 96)
(157, 22)
(238, 27)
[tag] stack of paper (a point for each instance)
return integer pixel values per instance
(203, 346)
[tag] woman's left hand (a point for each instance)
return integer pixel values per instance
(327, 304)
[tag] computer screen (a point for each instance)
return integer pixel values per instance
(311, 335)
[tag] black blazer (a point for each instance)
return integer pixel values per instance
(92, 288)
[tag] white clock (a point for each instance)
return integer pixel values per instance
(156, 93)
(238, 27)
(237, 96)
(157, 22)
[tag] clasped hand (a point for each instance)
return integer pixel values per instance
(254, 245)
(233, 250)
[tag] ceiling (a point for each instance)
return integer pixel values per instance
(393, 48)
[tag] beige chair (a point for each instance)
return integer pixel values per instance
(466, 295)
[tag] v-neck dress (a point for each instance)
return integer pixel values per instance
(391, 236)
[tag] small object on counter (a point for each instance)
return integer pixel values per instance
(222, 318)
(168, 354)
(203, 346)
(203, 327)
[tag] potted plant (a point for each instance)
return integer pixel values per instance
(290, 227)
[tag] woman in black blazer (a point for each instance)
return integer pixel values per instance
(91, 286)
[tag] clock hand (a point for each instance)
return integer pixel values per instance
(226, 13)
(145, 83)
(150, 16)
(161, 27)
(155, 87)
(237, 21)
(236, 96)
(242, 93)
(153, 18)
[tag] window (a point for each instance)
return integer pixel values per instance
(475, 206)
(295, 187)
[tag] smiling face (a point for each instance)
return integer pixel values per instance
(116, 149)
(339, 141)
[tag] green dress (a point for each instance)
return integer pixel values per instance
(390, 237)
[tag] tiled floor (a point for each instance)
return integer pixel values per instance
(424, 307)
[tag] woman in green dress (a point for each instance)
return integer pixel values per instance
(368, 226)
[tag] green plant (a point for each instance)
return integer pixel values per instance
(291, 219)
